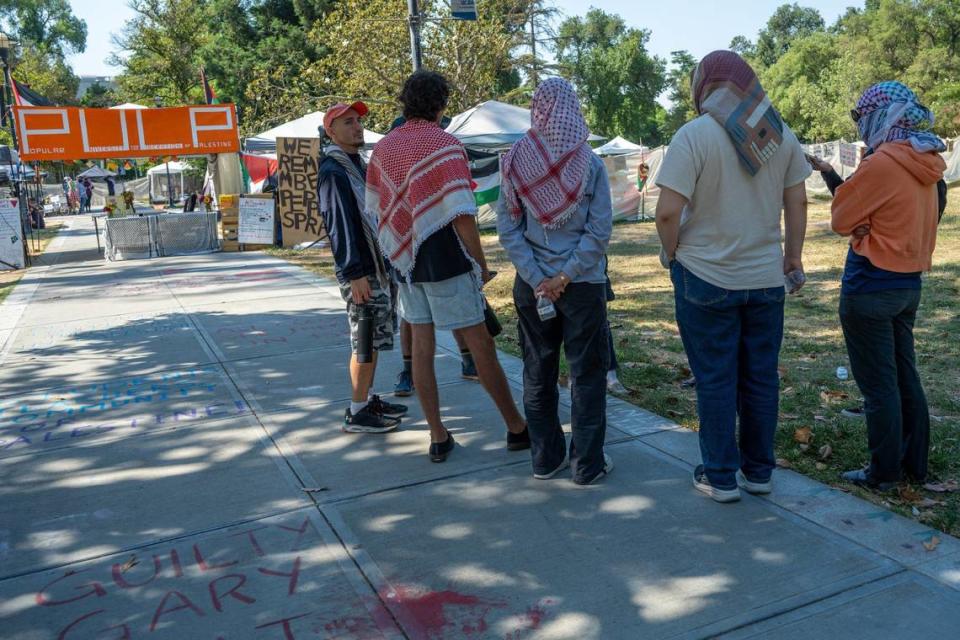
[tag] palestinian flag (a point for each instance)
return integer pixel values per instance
(24, 97)
(485, 178)
(209, 95)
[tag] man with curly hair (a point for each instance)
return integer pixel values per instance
(418, 190)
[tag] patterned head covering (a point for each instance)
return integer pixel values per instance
(890, 111)
(546, 170)
(727, 88)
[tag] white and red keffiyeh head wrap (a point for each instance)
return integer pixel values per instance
(546, 170)
(418, 181)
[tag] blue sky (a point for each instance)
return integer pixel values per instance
(700, 26)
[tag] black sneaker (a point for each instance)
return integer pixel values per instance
(518, 441)
(861, 478)
(468, 369)
(853, 412)
(440, 450)
(367, 421)
(703, 485)
(377, 405)
(404, 386)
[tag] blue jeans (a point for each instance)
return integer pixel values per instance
(732, 340)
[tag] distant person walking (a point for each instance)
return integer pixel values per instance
(724, 180)
(890, 208)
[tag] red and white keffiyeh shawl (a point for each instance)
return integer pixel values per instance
(546, 170)
(418, 181)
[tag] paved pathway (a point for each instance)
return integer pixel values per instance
(171, 466)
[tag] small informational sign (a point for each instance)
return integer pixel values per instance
(464, 9)
(11, 236)
(848, 154)
(256, 220)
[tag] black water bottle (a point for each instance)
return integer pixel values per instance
(364, 334)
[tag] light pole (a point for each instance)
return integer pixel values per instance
(158, 101)
(414, 19)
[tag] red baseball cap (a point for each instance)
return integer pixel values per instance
(341, 108)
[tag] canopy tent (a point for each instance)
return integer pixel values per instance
(180, 182)
(95, 172)
(303, 127)
(493, 125)
(619, 146)
(129, 105)
(952, 158)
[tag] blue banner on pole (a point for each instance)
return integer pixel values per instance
(464, 9)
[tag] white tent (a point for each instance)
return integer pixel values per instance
(952, 158)
(304, 127)
(620, 146)
(492, 124)
(95, 172)
(129, 105)
(179, 183)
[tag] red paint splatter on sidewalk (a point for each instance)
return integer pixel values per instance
(438, 612)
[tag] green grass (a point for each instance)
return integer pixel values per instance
(653, 363)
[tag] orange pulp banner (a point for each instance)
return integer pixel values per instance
(75, 133)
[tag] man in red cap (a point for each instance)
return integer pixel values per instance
(360, 267)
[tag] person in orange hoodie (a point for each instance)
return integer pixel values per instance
(890, 208)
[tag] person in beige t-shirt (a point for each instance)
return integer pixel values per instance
(725, 179)
(730, 229)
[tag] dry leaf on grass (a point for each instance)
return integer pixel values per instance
(808, 358)
(943, 487)
(804, 447)
(803, 435)
(820, 418)
(825, 452)
(833, 396)
(783, 463)
(820, 466)
(787, 391)
(929, 503)
(932, 544)
(909, 494)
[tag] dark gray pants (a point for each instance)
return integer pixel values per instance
(878, 329)
(581, 328)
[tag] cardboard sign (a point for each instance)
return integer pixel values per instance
(298, 161)
(256, 220)
(848, 154)
(73, 133)
(11, 236)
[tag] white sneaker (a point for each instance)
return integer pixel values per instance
(703, 485)
(757, 488)
(560, 467)
(607, 468)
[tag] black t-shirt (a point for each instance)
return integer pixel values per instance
(440, 257)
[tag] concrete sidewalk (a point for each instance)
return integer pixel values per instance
(172, 466)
